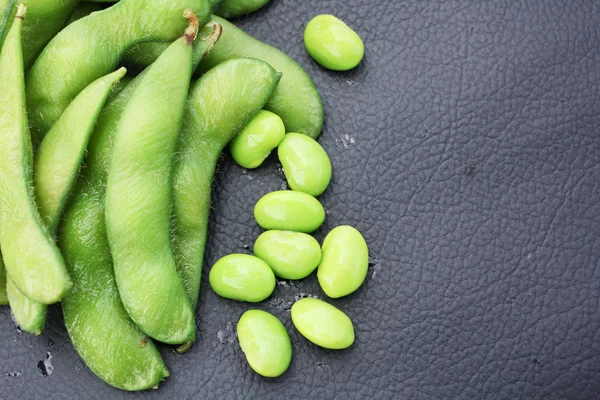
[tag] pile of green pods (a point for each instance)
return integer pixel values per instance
(106, 176)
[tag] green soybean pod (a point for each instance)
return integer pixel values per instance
(102, 332)
(65, 66)
(6, 17)
(94, 314)
(57, 163)
(3, 295)
(345, 262)
(59, 157)
(322, 324)
(333, 44)
(29, 315)
(305, 164)
(45, 18)
(242, 277)
(236, 8)
(256, 141)
(265, 343)
(138, 197)
(243, 86)
(296, 99)
(291, 255)
(32, 259)
(287, 210)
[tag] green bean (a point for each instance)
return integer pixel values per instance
(92, 47)
(296, 100)
(333, 44)
(265, 342)
(45, 18)
(242, 87)
(305, 164)
(256, 141)
(3, 295)
(138, 197)
(32, 259)
(322, 323)
(345, 262)
(242, 277)
(287, 210)
(236, 8)
(291, 255)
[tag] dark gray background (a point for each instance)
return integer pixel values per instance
(466, 149)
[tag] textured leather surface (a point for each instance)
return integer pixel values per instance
(466, 147)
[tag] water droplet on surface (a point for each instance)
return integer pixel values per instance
(14, 373)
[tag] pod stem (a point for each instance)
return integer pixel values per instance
(21, 10)
(192, 29)
(214, 36)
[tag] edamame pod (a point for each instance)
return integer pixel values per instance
(236, 8)
(59, 157)
(242, 87)
(6, 18)
(94, 314)
(3, 295)
(138, 197)
(57, 163)
(29, 315)
(92, 47)
(296, 100)
(32, 259)
(45, 18)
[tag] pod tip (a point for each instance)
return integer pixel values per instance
(21, 10)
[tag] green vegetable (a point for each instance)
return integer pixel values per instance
(3, 295)
(32, 259)
(289, 211)
(242, 277)
(291, 255)
(94, 314)
(30, 315)
(296, 100)
(333, 44)
(83, 10)
(45, 18)
(345, 262)
(236, 8)
(92, 46)
(265, 342)
(256, 141)
(305, 164)
(58, 159)
(57, 163)
(242, 87)
(322, 324)
(138, 197)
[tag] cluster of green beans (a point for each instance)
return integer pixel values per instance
(105, 179)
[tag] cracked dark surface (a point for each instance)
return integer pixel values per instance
(466, 148)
